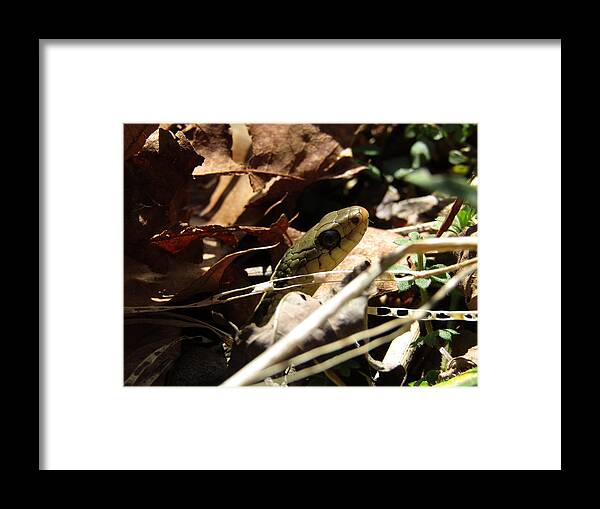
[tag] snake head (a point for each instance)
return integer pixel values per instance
(320, 249)
(327, 243)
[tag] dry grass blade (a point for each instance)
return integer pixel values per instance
(417, 274)
(176, 320)
(329, 277)
(149, 361)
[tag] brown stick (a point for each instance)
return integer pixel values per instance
(450, 217)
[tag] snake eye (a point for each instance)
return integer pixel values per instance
(329, 239)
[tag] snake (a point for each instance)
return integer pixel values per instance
(320, 249)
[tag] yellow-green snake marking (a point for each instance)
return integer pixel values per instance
(320, 249)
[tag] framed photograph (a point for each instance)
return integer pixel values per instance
(236, 234)
(245, 266)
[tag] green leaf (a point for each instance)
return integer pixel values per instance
(444, 334)
(368, 150)
(423, 282)
(430, 339)
(433, 131)
(451, 185)
(402, 172)
(404, 285)
(410, 131)
(467, 129)
(447, 334)
(460, 169)
(414, 236)
(373, 171)
(457, 157)
(419, 152)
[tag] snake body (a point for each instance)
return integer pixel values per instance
(320, 249)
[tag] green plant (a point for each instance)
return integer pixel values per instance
(465, 217)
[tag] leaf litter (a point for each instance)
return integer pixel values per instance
(205, 203)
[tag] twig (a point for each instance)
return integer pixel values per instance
(259, 288)
(414, 228)
(283, 348)
(417, 274)
(450, 217)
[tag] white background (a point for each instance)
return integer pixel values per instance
(512, 420)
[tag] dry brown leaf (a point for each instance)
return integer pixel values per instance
(143, 285)
(461, 363)
(228, 201)
(297, 150)
(300, 152)
(342, 133)
(134, 137)
(214, 143)
(217, 144)
(176, 239)
(397, 213)
(291, 310)
(398, 352)
(210, 281)
(283, 159)
(157, 186)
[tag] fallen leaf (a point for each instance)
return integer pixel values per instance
(343, 133)
(282, 160)
(285, 158)
(398, 354)
(228, 201)
(461, 364)
(157, 186)
(174, 240)
(134, 137)
(214, 143)
(210, 281)
(397, 213)
(293, 308)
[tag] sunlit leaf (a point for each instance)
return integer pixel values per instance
(451, 185)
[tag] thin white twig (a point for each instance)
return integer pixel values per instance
(268, 286)
(415, 228)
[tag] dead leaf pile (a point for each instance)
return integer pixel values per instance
(291, 310)
(204, 203)
(283, 159)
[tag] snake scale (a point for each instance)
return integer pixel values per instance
(320, 249)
